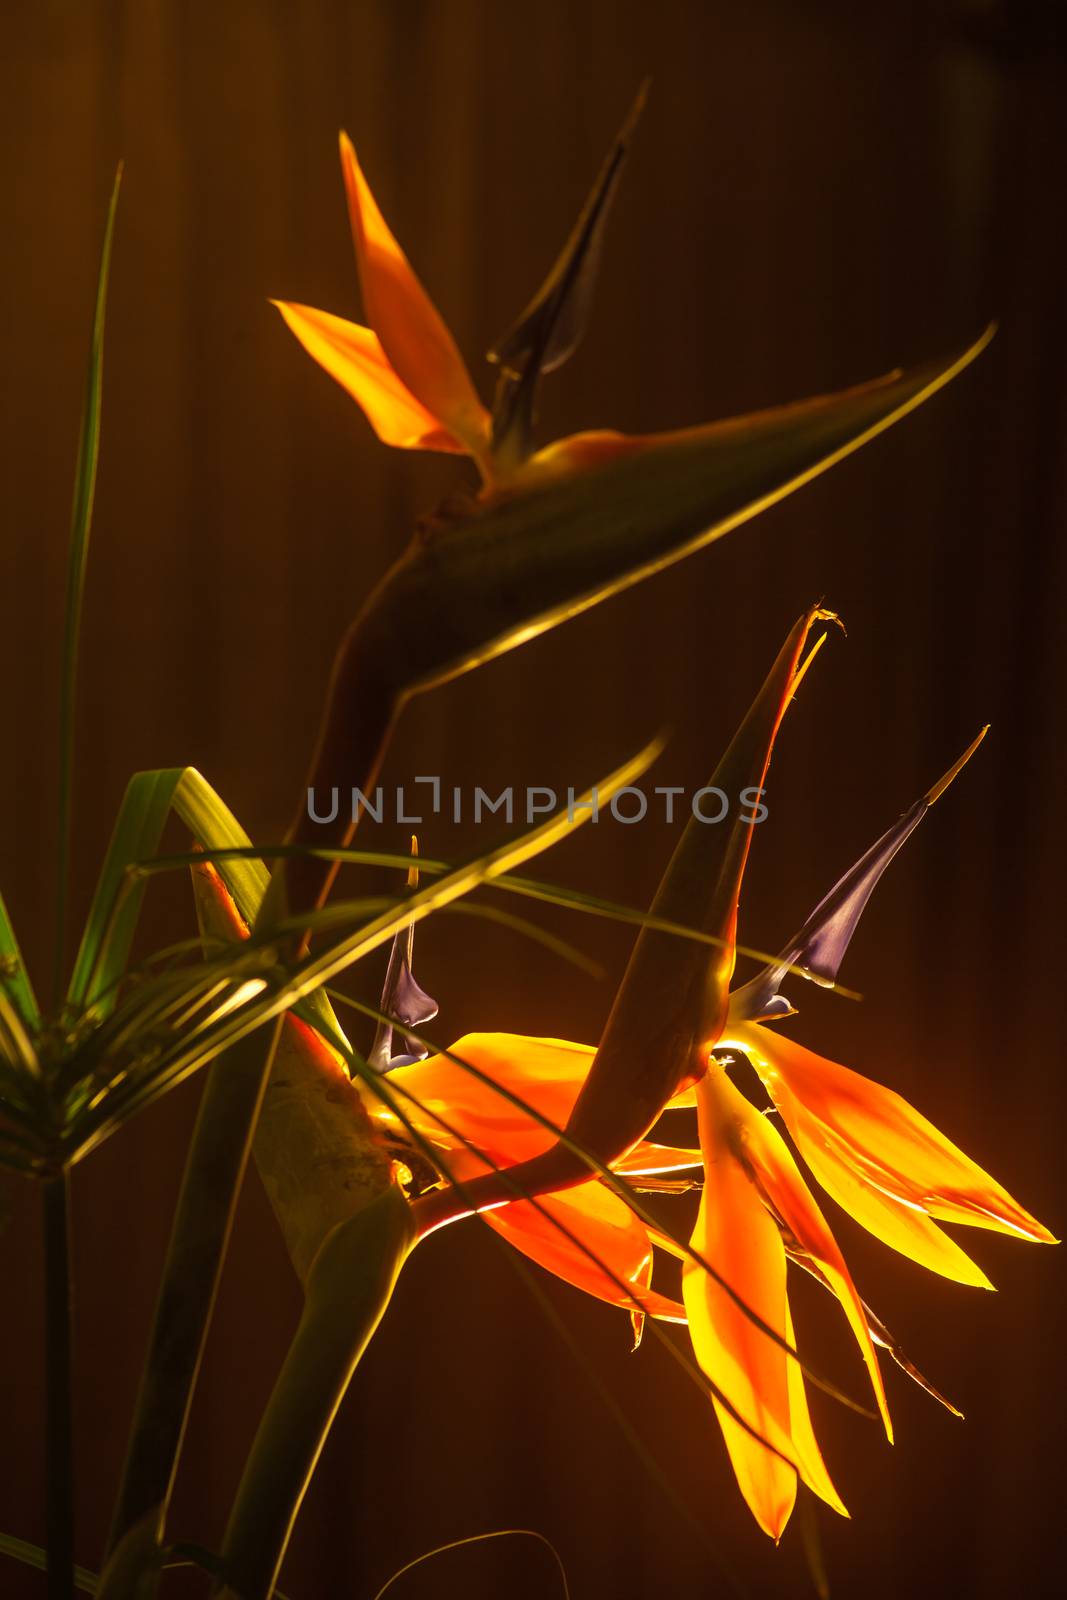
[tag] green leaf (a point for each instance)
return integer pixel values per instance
(322, 966)
(116, 906)
(508, 883)
(475, 586)
(31, 1555)
(481, 1538)
(13, 975)
(77, 560)
(214, 827)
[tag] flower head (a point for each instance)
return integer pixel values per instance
(493, 1105)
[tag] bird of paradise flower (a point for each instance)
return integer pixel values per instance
(494, 1102)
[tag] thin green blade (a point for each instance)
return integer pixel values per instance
(116, 906)
(77, 560)
(13, 974)
(31, 1555)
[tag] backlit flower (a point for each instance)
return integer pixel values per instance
(480, 1105)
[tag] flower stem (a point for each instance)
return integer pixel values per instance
(348, 1289)
(59, 1431)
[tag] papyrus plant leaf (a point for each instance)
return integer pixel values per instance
(14, 979)
(480, 1538)
(32, 1555)
(77, 561)
(321, 967)
(116, 904)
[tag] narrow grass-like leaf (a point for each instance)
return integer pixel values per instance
(13, 975)
(116, 905)
(507, 883)
(31, 1555)
(16, 1044)
(481, 1538)
(81, 524)
(190, 1055)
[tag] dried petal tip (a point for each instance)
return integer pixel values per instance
(942, 784)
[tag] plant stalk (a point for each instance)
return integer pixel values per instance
(348, 1289)
(59, 1419)
(356, 727)
(199, 1237)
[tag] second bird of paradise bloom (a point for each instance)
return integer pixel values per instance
(494, 1102)
(406, 372)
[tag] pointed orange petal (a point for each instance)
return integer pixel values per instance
(544, 1074)
(895, 1147)
(354, 357)
(805, 1446)
(414, 337)
(789, 1197)
(553, 1234)
(735, 1234)
(647, 1160)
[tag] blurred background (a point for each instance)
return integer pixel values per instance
(819, 192)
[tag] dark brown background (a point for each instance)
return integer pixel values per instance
(819, 192)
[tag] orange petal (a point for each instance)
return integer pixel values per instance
(647, 1160)
(737, 1235)
(553, 1234)
(544, 1074)
(779, 1180)
(885, 1162)
(805, 1446)
(414, 337)
(354, 357)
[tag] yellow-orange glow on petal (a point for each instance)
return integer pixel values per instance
(545, 1074)
(737, 1236)
(881, 1159)
(779, 1181)
(414, 337)
(353, 356)
(607, 1228)
(648, 1160)
(805, 1446)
